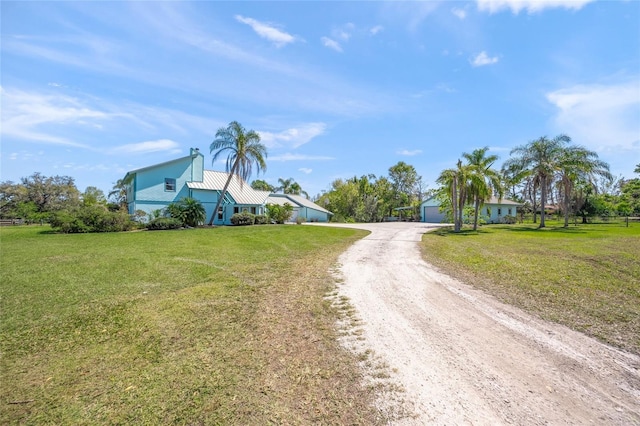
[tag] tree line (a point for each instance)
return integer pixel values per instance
(540, 173)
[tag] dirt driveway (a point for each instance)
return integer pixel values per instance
(464, 358)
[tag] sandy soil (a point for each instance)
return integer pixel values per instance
(462, 357)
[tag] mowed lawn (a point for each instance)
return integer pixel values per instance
(206, 326)
(586, 277)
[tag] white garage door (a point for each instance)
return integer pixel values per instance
(432, 215)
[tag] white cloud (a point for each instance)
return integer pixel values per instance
(167, 145)
(305, 170)
(460, 13)
(25, 114)
(482, 59)
(409, 153)
(602, 117)
(331, 44)
(345, 32)
(267, 31)
(293, 137)
(375, 30)
(299, 157)
(531, 6)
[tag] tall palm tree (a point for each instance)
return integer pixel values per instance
(578, 164)
(483, 180)
(541, 158)
(455, 185)
(243, 149)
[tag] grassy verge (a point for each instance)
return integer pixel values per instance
(205, 326)
(586, 277)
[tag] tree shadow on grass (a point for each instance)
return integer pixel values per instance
(446, 232)
(554, 229)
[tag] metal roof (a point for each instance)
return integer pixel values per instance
(240, 190)
(300, 200)
(504, 201)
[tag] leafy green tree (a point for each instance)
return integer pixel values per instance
(630, 194)
(243, 149)
(92, 196)
(262, 185)
(11, 197)
(51, 194)
(483, 180)
(403, 179)
(541, 158)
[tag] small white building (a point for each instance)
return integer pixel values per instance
(492, 211)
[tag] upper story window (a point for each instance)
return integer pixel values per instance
(170, 184)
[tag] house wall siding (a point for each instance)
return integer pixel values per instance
(147, 190)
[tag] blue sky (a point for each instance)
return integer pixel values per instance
(336, 89)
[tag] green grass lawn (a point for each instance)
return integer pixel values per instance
(206, 326)
(586, 277)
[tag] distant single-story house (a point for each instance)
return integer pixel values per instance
(155, 187)
(492, 211)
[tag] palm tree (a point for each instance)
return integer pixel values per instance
(578, 164)
(119, 192)
(483, 180)
(244, 149)
(193, 212)
(455, 185)
(290, 186)
(541, 158)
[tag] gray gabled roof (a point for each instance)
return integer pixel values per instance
(297, 199)
(492, 200)
(504, 201)
(240, 190)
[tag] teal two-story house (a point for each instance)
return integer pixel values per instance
(155, 187)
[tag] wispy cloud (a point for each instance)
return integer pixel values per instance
(331, 44)
(162, 145)
(603, 117)
(409, 153)
(305, 170)
(293, 137)
(375, 30)
(300, 157)
(268, 31)
(482, 59)
(459, 13)
(82, 50)
(531, 6)
(414, 13)
(33, 116)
